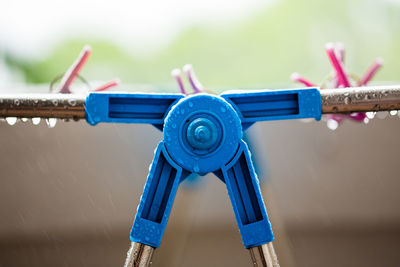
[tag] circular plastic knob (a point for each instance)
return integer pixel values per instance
(202, 134)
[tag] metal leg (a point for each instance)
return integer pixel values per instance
(139, 255)
(264, 256)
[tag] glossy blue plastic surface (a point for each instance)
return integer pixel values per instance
(191, 111)
(129, 107)
(202, 133)
(156, 202)
(244, 191)
(276, 104)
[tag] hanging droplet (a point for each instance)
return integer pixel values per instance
(393, 112)
(35, 121)
(51, 122)
(24, 119)
(370, 115)
(366, 120)
(332, 124)
(382, 114)
(11, 120)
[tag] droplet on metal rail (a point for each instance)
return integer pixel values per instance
(72, 102)
(393, 112)
(35, 121)
(370, 115)
(382, 114)
(24, 119)
(11, 120)
(51, 122)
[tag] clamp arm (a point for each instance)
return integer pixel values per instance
(247, 202)
(267, 105)
(157, 199)
(129, 107)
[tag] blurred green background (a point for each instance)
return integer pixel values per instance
(260, 50)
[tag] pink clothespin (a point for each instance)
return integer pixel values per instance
(192, 78)
(73, 72)
(341, 79)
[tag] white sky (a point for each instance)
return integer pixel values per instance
(32, 27)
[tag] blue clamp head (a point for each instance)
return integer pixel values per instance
(202, 133)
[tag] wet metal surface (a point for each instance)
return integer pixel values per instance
(67, 106)
(360, 99)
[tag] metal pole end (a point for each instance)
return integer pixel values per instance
(264, 256)
(139, 255)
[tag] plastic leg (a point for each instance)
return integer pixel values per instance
(244, 191)
(157, 199)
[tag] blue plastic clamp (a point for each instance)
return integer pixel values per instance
(202, 133)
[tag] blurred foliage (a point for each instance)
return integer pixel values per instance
(288, 36)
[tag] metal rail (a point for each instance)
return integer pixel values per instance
(360, 99)
(70, 106)
(65, 106)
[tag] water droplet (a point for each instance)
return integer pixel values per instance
(174, 125)
(11, 120)
(382, 114)
(51, 122)
(24, 119)
(16, 102)
(223, 109)
(35, 121)
(347, 100)
(190, 104)
(393, 112)
(72, 102)
(196, 168)
(55, 102)
(366, 120)
(332, 124)
(35, 101)
(370, 115)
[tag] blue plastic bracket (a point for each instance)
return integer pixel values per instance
(245, 194)
(253, 106)
(158, 196)
(202, 133)
(129, 107)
